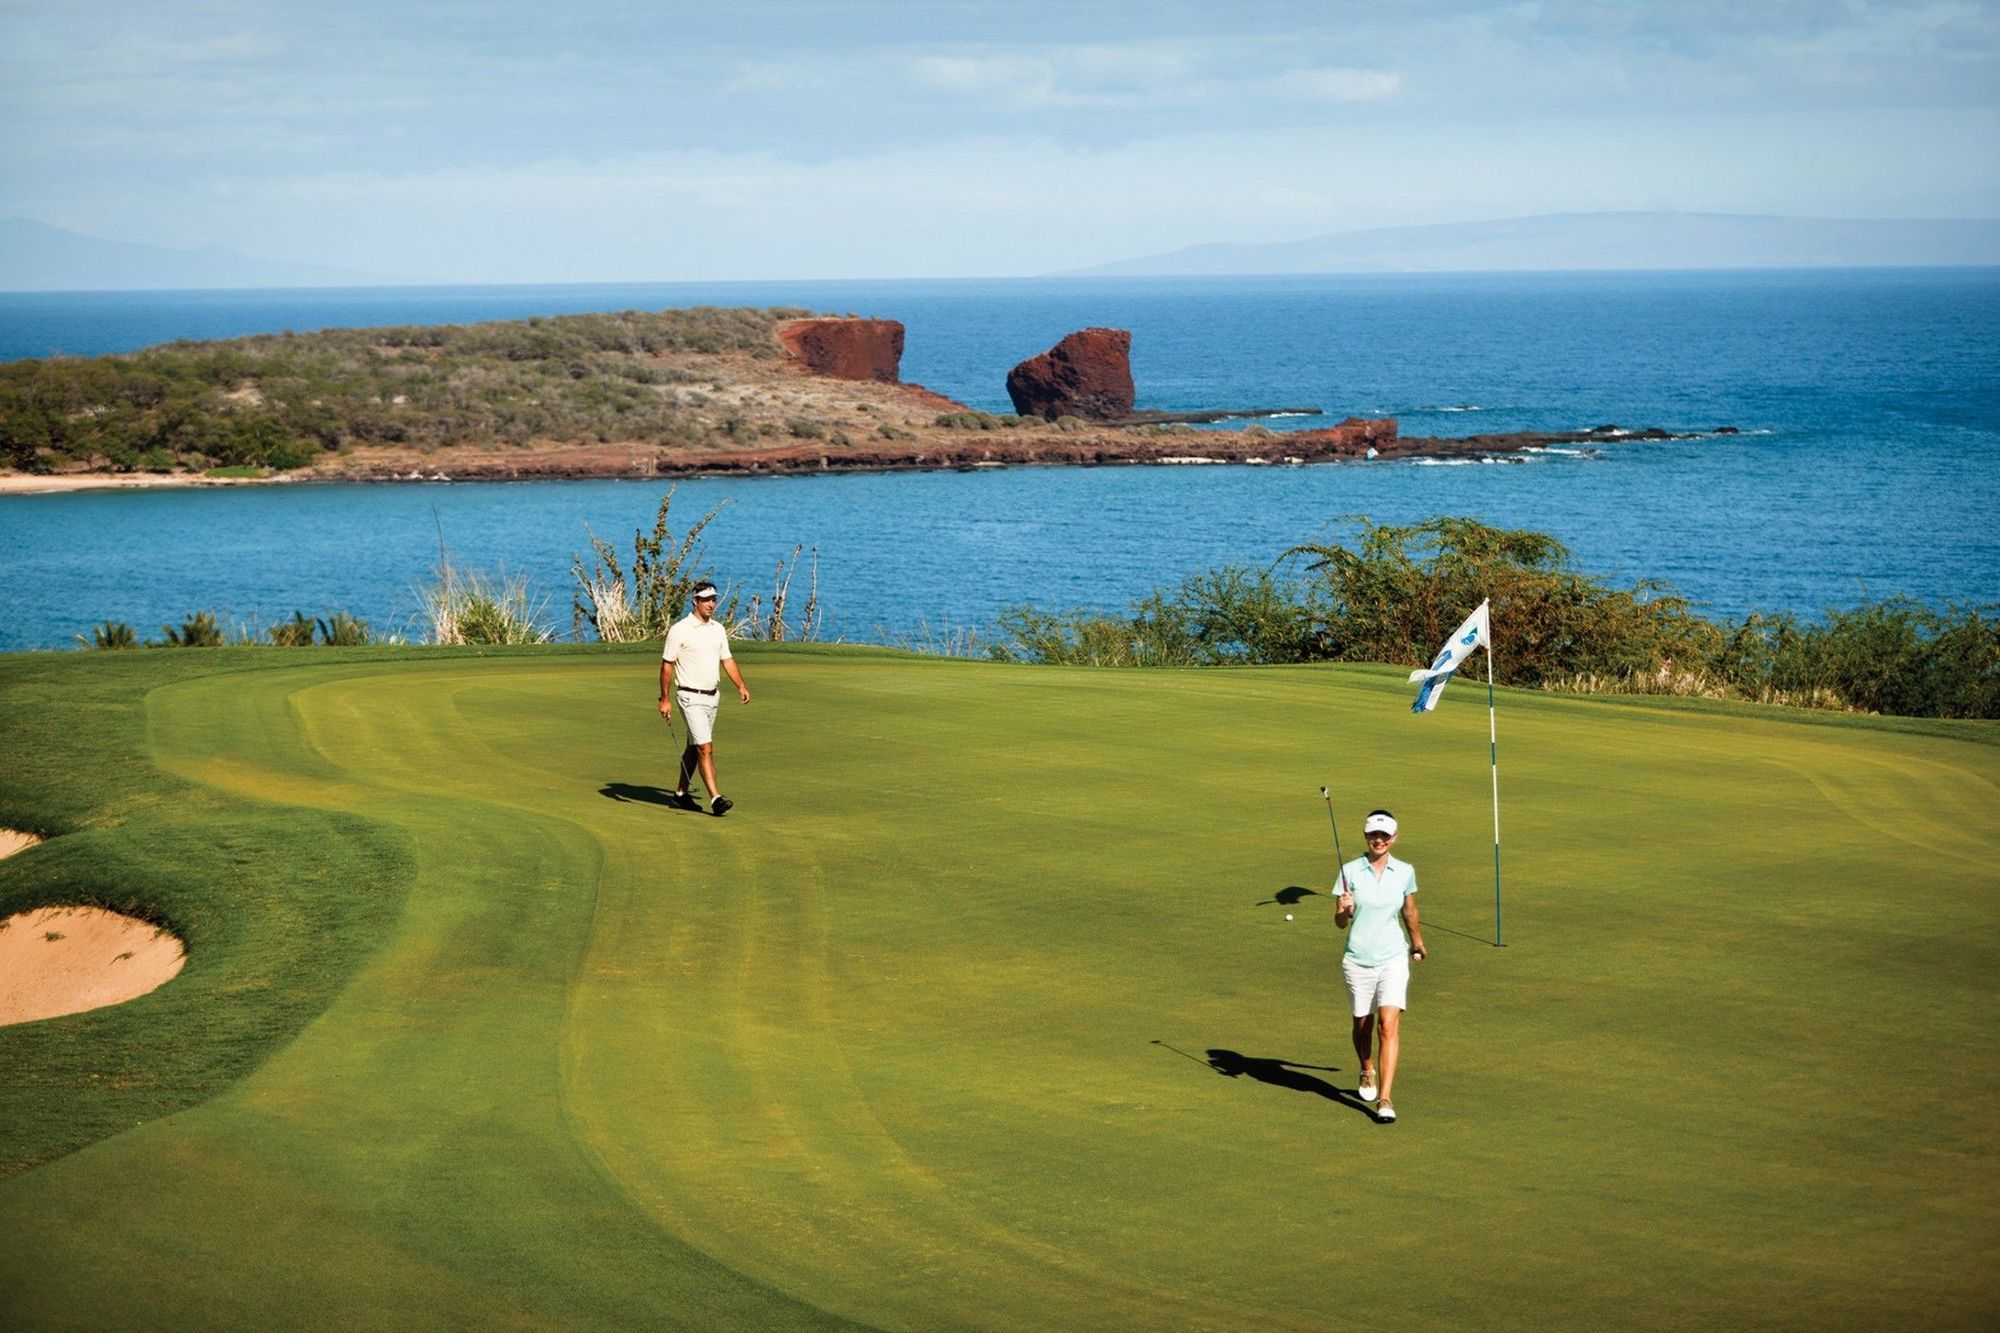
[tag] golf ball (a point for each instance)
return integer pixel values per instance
(1288, 916)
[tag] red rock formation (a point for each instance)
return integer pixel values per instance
(1087, 374)
(846, 349)
(1353, 437)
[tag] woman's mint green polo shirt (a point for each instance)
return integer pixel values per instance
(1376, 935)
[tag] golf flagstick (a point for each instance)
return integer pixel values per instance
(1493, 755)
(1475, 633)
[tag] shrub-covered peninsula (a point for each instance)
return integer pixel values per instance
(631, 394)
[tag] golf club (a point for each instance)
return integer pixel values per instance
(1340, 857)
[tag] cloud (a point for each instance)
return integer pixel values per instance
(1338, 85)
(780, 76)
(1135, 78)
(1144, 77)
(1027, 81)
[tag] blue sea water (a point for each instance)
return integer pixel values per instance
(1868, 466)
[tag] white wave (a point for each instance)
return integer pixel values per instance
(1515, 459)
(1725, 434)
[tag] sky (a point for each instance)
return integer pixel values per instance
(607, 140)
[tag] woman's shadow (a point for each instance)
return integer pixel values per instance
(1279, 1074)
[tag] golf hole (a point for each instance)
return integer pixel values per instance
(64, 960)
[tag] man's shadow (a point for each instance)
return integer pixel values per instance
(644, 795)
(1279, 1074)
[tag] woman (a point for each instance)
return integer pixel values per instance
(1378, 900)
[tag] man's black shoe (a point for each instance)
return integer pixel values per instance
(721, 806)
(680, 800)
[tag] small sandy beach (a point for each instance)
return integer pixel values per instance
(56, 483)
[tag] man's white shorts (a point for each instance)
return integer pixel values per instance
(1373, 987)
(699, 710)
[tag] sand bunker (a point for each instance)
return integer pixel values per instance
(11, 842)
(64, 960)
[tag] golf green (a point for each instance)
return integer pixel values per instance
(981, 1008)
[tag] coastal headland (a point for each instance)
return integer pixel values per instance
(632, 395)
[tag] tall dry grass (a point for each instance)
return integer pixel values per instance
(779, 620)
(476, 608)
(624, 605)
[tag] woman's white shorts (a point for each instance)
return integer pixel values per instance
(699, 710)
(1373, 987)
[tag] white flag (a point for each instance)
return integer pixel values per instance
(1477, 631)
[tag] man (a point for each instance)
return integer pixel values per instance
(1377, 896)
(691, 667)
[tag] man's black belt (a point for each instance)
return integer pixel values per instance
(689, 689)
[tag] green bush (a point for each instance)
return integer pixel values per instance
(110, 634)
(1895, 656)
(1086, 638)
(1394, 593)
(197, 631)
(341, 630)
(971, 420)
(294, 633)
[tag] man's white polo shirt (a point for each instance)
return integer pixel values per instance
(697, 649)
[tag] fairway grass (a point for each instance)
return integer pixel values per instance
(981, 1010)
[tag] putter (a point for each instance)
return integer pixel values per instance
(1340, 857)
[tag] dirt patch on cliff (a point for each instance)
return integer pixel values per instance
(64, 960)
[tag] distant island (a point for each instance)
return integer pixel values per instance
(1596, 241)
(36, 257)
(702, 391)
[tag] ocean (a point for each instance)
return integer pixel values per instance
(1868, 463)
